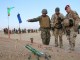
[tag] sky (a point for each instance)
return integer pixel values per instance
(31, 9)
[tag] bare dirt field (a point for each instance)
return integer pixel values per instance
(14, 48)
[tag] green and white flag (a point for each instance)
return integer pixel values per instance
(9, 10)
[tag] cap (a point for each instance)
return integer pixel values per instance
(66, 7)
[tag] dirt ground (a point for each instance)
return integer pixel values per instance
(14, 48)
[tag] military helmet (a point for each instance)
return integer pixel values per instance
(57, 9)
(44, 11)
(68, 22)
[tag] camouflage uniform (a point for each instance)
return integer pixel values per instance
(57, 32)
(71, 31)
(44, 27)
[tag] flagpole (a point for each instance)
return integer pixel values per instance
(8, 28)
(19, 18)
(20, 33)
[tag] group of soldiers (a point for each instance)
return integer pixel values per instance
(32, 30)
(13, 31)
(18, 31)
(59, 24)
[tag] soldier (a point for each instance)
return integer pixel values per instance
(44, 21)
(56, 22)
(71, 29)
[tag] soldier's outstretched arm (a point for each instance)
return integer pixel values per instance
(34, 19)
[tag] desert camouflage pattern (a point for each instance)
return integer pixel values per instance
(71, 32)
(44, 27)
(45, 36)
(57, 32)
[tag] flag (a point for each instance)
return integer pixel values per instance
(19, 18)
(9, 10)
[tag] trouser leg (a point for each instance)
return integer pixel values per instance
(60, 41)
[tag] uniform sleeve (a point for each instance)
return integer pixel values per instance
(62, 16)
(52, 21)
(35, 19)
(75, 16)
